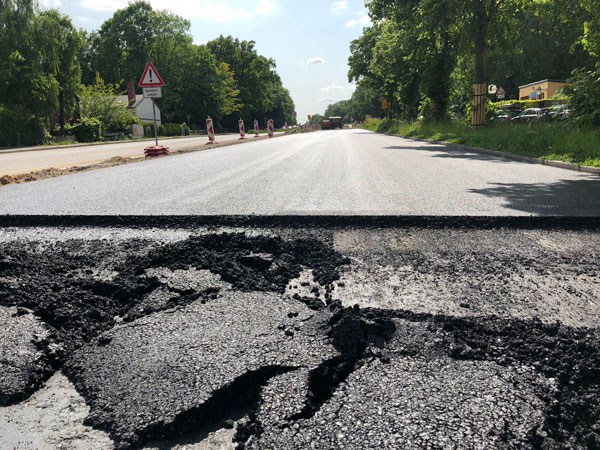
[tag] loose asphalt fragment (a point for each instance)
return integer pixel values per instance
(322, 337)
(178, 369)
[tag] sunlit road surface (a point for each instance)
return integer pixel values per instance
(331, 172)
(17, 161)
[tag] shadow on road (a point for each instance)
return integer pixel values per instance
(449, 151)
(565, 197)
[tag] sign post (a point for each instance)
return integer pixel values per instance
(500, 93)
(152, 83)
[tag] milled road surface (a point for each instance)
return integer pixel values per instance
(347, 172)
(438, 335)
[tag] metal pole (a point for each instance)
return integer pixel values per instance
(155, 127)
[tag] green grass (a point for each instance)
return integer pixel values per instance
(545, 140)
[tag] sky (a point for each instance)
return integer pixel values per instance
(309, 40)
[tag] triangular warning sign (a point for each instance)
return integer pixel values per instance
(150, 77)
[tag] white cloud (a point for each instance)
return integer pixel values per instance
(328, 99)
(333, 88)
(351, 23)
(104, 5)
(339, 5)
(50, 3)
(200, 42)
(363, 18)
(208, 10)
(316, 60)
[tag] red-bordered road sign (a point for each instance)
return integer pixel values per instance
(150, 77)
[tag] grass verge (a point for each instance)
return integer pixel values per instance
(545, 140)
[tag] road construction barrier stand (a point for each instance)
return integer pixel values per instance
(242, 129)
(285, 125)
(256, 130)
(270, 127)
(210, 130)
(156, 150)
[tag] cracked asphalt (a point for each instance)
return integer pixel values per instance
(220, 336)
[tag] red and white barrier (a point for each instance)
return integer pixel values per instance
(270, 127)
(285, 125)
(242, 129)
(256, 129)
(210, 130)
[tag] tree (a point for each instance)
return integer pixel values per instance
(262, 95)
(99, 101)
(39, 75)
(135, 34)
(63, 43)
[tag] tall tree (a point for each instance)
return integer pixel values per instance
(135, 34)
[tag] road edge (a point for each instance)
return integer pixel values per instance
(507, 155)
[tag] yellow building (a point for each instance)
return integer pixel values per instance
(540, 90)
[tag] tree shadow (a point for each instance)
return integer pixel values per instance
(562, 198)
(455, 151)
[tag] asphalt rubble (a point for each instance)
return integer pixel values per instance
(218, 330)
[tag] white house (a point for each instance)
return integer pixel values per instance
(142, 106)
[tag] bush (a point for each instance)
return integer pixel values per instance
(18, 128)
(585, 97)
(170, 129)
(89, 129)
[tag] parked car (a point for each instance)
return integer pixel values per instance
(556, 112)
(503, 115)
(529, 115)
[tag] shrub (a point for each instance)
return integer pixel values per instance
(19, 128)
(89, 129)
(169, 129)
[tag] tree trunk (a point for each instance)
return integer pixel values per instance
(61, 112)
(479, 98)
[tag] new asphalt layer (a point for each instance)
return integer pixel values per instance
(346, 172)
(254, 333)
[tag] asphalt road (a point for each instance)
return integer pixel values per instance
(18, 161)
(331, 172)
(206, 338)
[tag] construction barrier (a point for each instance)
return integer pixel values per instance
(270, 127)
(242, 129)
(210, 130)
(156, 150)
(256, 129)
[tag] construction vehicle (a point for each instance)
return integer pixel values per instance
(331, 123)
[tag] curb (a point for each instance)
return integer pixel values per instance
(91, 144)
(507, 155)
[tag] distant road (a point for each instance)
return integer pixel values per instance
(18, 161)
(327, 172)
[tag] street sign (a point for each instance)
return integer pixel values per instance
(500, 93)
(309, 117)
(492, 89)
(150, 77)
(153, 92)
(384, 103)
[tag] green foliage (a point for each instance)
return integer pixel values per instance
(544, 140)
(88, 129)
(100, 101)
(39, 75)
(261, 93)
(584, 93)
(169, 129)
(18, 127)
(315, 119)
(421, 53)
